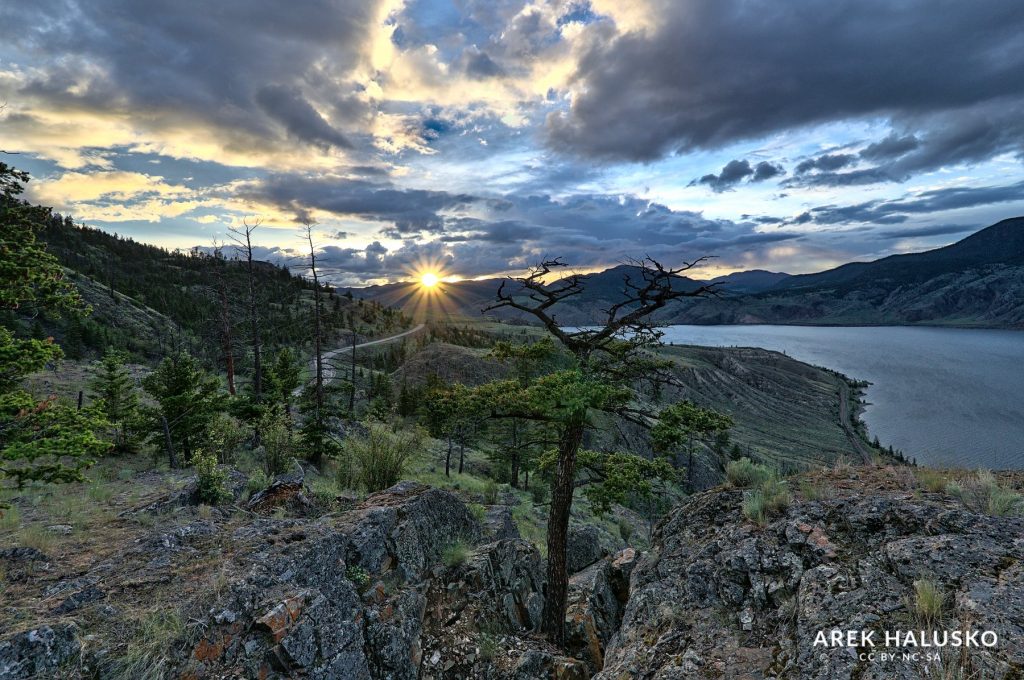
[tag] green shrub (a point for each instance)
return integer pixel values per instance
(488, 646)
(744, 473)
(479, 511)
(769, 499)
(378, 458)
(929, 600)
(224, 435)
(277, 441)
(257, 481)
(358, 576)
(325, 490)
(211, 481)
(983, 493)
(490, 492)
(625, 530)
(455, 553)
(539, 492)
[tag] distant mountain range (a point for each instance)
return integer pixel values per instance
(978, 282)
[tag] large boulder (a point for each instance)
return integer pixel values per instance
(339, 598)
(584, 546)
(720, 596)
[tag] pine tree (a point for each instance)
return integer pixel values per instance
(114, 386)
(39, 440)
(187, 399)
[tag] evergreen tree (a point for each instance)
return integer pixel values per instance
(283, 377)
(114, 386)
(606, 364)
(39, 440)
(187, 399)
(686, 423)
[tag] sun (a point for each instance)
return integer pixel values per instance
(429, 280)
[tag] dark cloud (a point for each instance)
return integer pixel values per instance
(287, 105)
(828, 162)
(737, 170)
(243, 67)
(766, 170)
(919, 232)
(841, 179)
(715, 72)
(480, 65)
(890, 147)
(897, 211)
(730, 175)
(485, 234)
(401, 211)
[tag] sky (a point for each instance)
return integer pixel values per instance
(478, 137)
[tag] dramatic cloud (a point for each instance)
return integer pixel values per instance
(486, 134)
(900, 210)
(252, 71)
(737, 170)
(716, 72)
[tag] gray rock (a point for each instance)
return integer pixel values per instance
(593, 614)
(719, 596)
(583, 547)
(498, 523)
(39, 652)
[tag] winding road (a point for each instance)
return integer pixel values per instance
(330, 371)
(845, 421)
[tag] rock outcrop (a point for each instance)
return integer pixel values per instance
(720, 596)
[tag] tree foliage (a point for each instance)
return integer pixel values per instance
(40, 440)
(187, 398)
(606, 363)
(114, 387)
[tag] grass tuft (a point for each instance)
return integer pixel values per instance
(983, 493)
(38, 537)
(769, 499)
(814, 491)
(149, 653)
(455, 553)
(10, 519)
(929, 601)
(745, 474)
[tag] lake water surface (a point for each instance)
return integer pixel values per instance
(945, 396)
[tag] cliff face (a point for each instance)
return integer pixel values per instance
(719, 596)
(377, 590)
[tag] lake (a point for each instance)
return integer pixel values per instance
(945, 396)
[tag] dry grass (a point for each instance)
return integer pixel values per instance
(932, 480)
(929, 601)
(766, 501)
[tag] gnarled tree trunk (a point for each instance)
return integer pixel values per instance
(553, 618)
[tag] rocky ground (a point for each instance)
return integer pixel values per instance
(413, 583)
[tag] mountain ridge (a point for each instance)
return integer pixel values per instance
(975, 282)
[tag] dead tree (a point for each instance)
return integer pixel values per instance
(601, 353)
(243, 239)
(317, 427)
(225, 315)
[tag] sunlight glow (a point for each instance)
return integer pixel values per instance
(429, 279)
